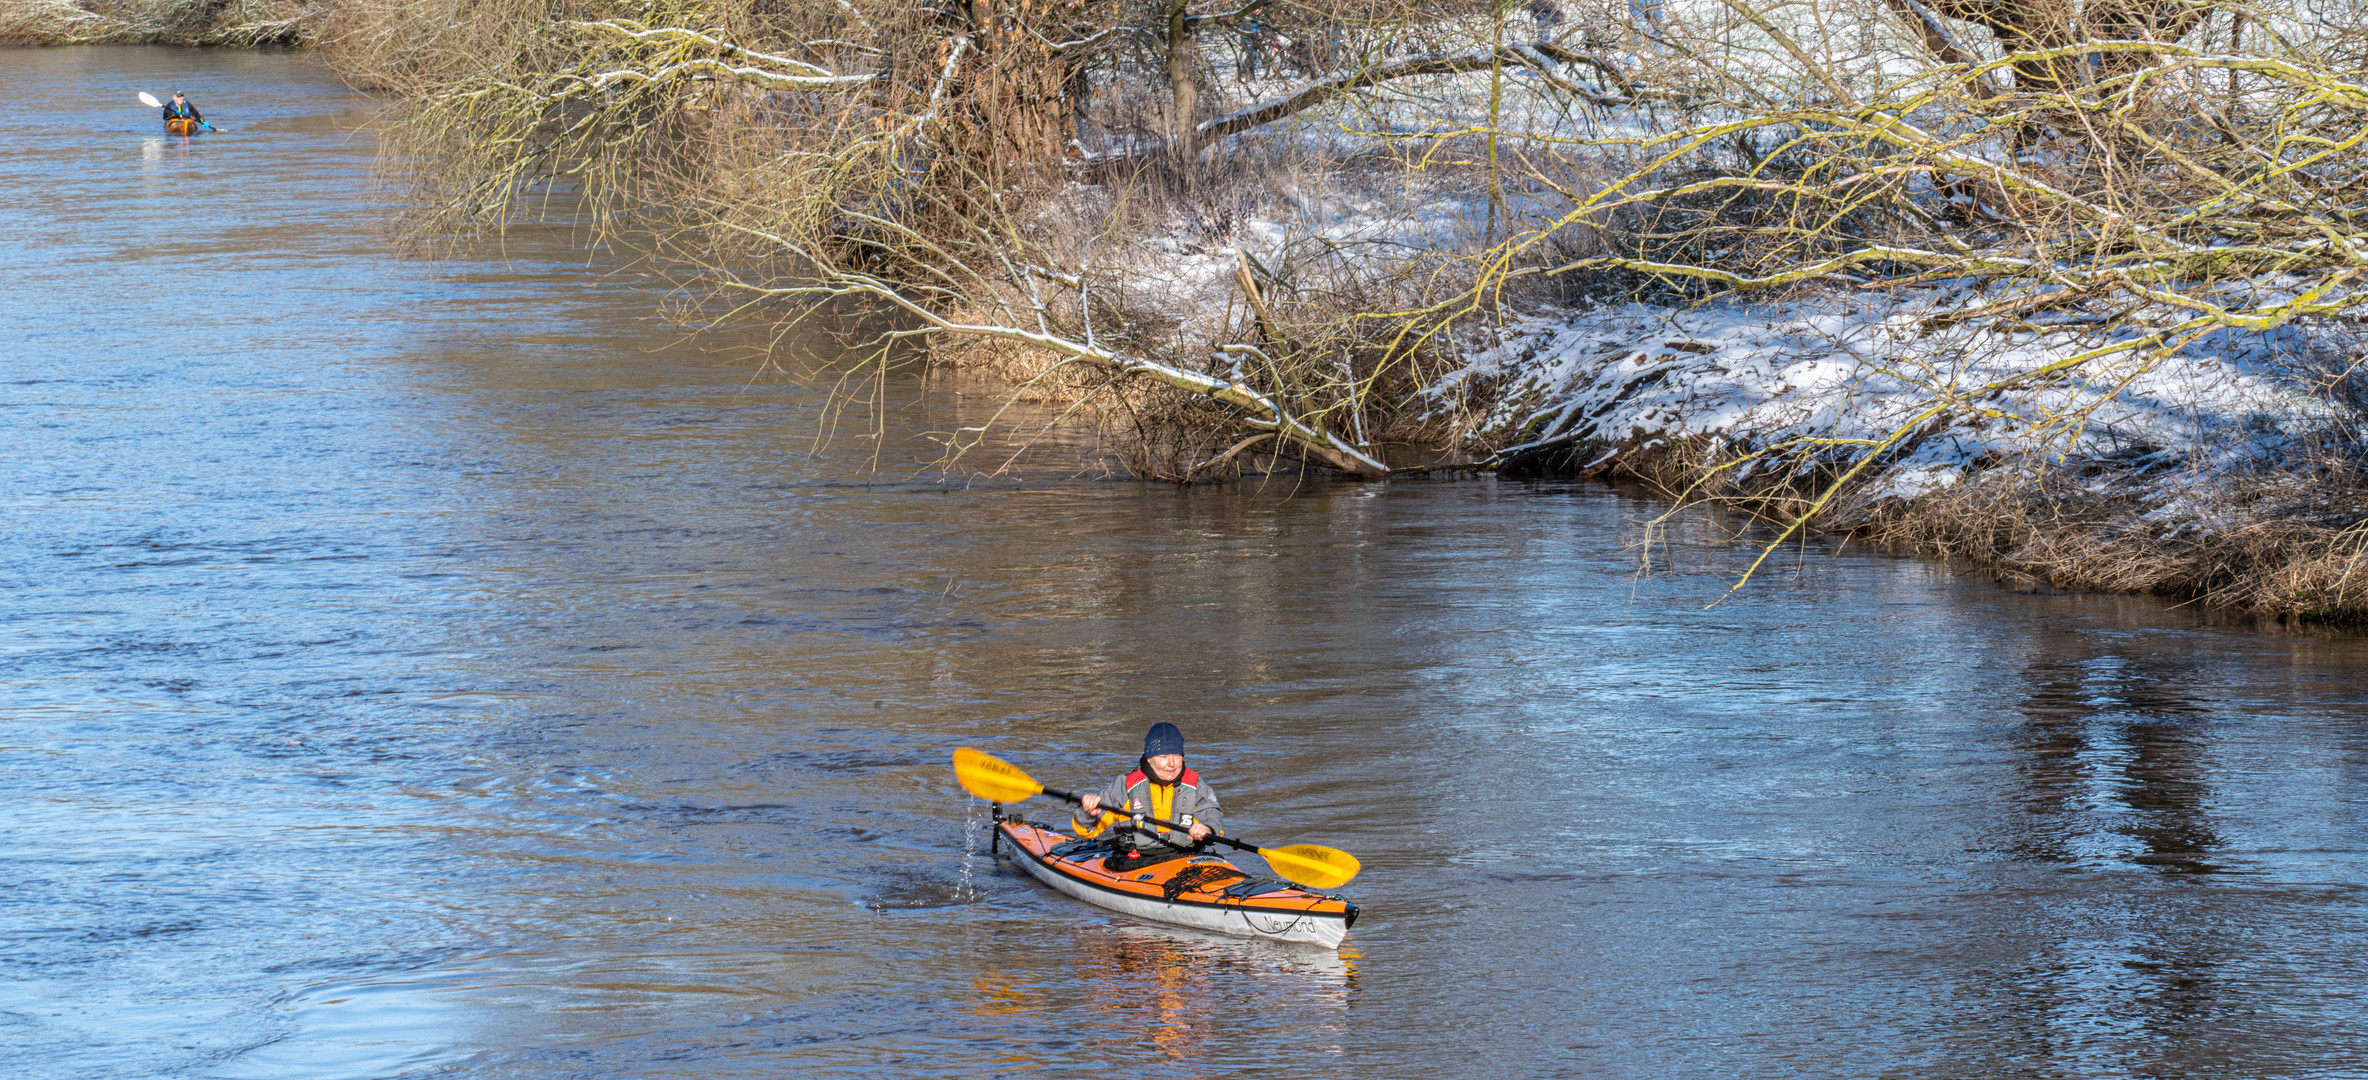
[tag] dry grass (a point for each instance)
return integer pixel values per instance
(2283, 540)
(2273, 544)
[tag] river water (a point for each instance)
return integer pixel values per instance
(446, 670)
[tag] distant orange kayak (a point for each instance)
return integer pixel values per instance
(1204, 892)
(182, 127)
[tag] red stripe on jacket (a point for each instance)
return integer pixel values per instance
(1187, 777)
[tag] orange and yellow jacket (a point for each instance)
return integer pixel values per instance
(1184, 802)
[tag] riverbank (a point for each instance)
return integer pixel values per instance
(161, 22)
(2225, 471)
(1433, 244)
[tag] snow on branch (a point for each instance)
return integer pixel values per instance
(1539, 58)
(767, 69)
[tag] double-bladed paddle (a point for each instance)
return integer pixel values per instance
(149, 100)
(1305, 864)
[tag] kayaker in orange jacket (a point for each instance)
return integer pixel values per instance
(180, 108)
(1160, 787)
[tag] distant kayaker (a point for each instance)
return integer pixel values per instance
(1160, 787)
(180, 108)
(1253, 38)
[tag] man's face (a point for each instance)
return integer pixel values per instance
(1166, 767)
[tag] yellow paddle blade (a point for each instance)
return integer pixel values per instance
(1312, 866)
(991, 779)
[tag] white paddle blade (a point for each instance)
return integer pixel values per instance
(149, 100)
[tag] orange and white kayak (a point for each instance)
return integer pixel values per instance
(1204, 891)
(182, 127)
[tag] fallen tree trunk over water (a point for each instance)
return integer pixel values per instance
(1256, 409)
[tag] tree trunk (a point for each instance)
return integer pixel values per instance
(1183, 77)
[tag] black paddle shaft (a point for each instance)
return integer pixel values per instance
(1170, 826)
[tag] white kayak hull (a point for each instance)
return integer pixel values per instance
(1239, 919)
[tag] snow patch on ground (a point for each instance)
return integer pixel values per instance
(1834, 370)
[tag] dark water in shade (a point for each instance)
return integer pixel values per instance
(450, 673)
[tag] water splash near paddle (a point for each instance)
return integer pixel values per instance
(967, 890)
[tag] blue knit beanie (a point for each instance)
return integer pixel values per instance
(1164, 739)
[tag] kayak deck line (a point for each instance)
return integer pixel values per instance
(1201, 900)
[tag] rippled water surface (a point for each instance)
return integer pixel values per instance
(416, 670)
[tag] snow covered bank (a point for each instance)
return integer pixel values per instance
(2086, 437)
(2229, 469)
(1843, 369)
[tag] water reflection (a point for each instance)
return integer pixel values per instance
(2136, 950)
(1167, 991)
(2115, 754)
